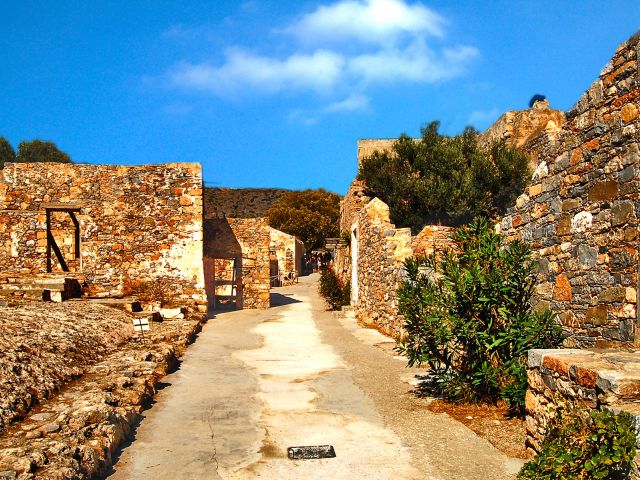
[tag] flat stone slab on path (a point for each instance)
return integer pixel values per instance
(258, 382)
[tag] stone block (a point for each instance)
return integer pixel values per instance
(562, 291)
(622, 212)
(613, 294)
(603, 191)
(597, 315)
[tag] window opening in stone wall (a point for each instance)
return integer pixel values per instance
(63, 237)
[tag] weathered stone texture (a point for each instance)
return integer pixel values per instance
(584, 379)
(247, 240)
(75, 433)
(351, 204)
(368, 146)
(139, 222)
(288, 251)
(580, 213)
(432, 239)
(382, 250)
(521, 127)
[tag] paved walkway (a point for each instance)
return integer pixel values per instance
(257, 382)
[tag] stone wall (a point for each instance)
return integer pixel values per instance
(432, 239)
(582, 379)
(368, 146)
(288, 251)
(580, 214)
(247, 240)
(139, 222)
(521, 127)
(382, 250)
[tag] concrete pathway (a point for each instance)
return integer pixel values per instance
(257, 382)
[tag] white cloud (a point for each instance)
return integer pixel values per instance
(319, 71)
(481, 118)
(416, 63)
(368, 21)
(353, 103)
(337, 51)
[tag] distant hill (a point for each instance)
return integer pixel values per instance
(239, 202)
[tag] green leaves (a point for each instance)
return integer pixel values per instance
(41, 151)
(7, 154)
(334, 292)
(448, 180)
(600, 444)
(468, 316)
(310, 215)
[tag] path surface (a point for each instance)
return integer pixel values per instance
(257, 382)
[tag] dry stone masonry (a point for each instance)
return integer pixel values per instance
(243, 242)
(580, 214)
(379, 266)
(143, 223)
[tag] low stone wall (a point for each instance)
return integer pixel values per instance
(580, 214)
(144, 223)
(77, 432)
(246, 239)
(585, 379)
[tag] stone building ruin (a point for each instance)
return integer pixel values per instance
(236, 259)
(102, 225)
(286, 253)
(105, 231)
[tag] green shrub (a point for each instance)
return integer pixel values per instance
(468, 316)
(578, 445)
(438, 179)
(334, 292)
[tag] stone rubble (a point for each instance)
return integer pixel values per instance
(74, 433)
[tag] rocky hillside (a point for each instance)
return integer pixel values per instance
(239, 202)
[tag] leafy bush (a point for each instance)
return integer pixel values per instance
(445, 180)
(310, 215)
(40, 151)
(334, 292)
(600, 444)
(468, 316)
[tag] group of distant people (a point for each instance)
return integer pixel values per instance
(315, 261)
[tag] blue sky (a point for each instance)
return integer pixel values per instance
(276, 94)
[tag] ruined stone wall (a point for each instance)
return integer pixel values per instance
(351, 204)
(141, 222)
(520, 127)
(246, 239)
(580, 214)
(432, 239)
(367, 146)
(382, 250)
(288, 250)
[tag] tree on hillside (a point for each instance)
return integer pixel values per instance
(41, 151)
(444, 180)
(310, 215)
(7, 154)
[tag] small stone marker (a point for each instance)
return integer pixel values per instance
(307, 453)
